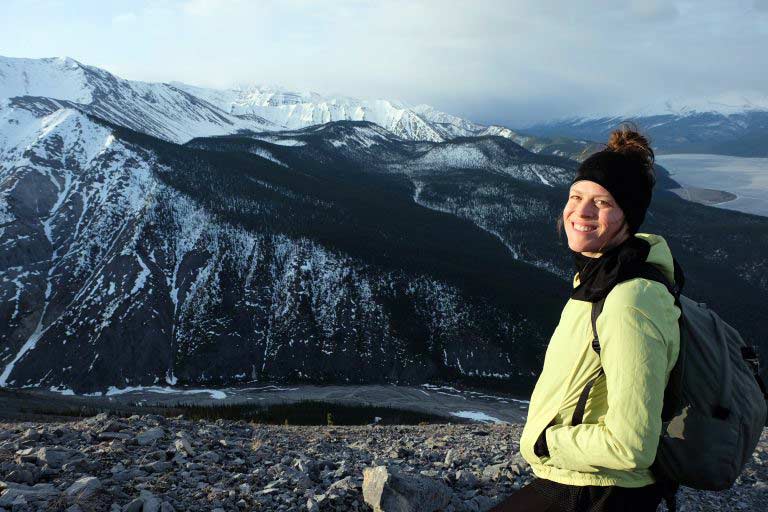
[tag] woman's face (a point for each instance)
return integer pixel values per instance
(593, 221)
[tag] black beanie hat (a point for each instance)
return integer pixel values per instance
(625, 177)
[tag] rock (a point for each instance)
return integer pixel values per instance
(134, 505)
(83, 488)
(312, 506)
(483, 502)
(21, 476)
(450, 456)
(386, 490)
(128, 474)
(149, 436)
(210, 457)
(494, 471)
(110, 436)
(465, 478)
(56, 456)
(13, 492)
(157, 467)
(401, 453)
(342, 487)
(30, 435)
(166, 507)
(183, 445)
(151, 503)
(112, 426)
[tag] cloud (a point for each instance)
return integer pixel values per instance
(508, 61)
(123, 18)
(654, 10)
(207, 8)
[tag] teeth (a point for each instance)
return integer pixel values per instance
(579, 227)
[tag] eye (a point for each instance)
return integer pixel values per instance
(574, 196)
(600, 202)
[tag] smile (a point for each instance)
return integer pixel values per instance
(583, 227)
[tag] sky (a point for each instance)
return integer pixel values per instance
(504, 62)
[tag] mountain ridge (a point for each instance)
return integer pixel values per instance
(337, 252)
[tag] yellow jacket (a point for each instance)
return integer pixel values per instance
(639, 341)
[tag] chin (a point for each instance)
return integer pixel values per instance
(581, 247)
(577, 245)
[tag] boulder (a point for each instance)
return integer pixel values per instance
(134, 505)
(183, 445)
(151, 503)
(21, 476)
(387, 490)
(150, 435)
(494, 471)
(54, 456)
(450, 457)
(83, 488)
(14, 493)
(465, 478)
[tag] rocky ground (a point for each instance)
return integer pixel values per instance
(152, 463)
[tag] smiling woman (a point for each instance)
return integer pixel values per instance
(595, 414)
(592, 219)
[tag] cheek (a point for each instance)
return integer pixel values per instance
(611, 221)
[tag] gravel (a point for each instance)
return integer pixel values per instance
(166, 464)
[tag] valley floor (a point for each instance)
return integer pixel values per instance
(444, 401)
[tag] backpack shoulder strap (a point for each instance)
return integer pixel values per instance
(597, 308)
(578, 413)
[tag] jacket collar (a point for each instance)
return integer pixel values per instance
(598, 276)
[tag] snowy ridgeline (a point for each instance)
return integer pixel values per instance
(179, 112)
(116, 278)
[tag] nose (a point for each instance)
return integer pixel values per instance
(586, 210)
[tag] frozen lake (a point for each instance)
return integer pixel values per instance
(747, 178)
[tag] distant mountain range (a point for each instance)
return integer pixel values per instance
(336, 252)
(178, 112)
(737, 127)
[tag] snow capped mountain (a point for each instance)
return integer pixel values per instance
(451, 126)
(130, 261)
(178, 112)
(294, 110)
(732, 124)
(59, 78)
(724, 105)
(156, 109)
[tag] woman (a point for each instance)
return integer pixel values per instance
(602, 462)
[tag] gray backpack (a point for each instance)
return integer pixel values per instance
(714, 403)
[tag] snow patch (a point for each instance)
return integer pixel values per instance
(478, 416)
(216, 394)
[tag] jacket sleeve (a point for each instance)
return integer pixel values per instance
(634, 356)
